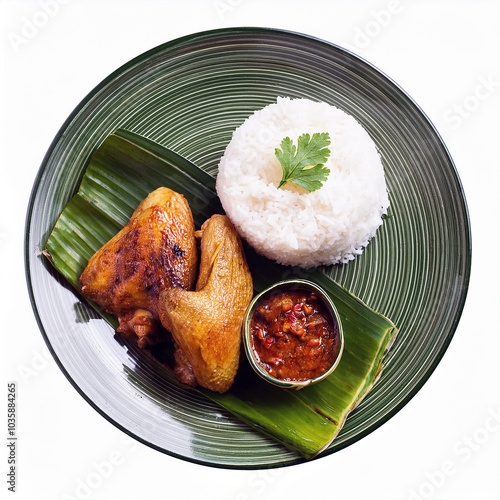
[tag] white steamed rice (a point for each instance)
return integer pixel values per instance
(290, 225)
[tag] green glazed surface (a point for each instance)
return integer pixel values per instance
(189, 95)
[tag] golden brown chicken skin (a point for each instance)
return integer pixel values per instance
(206, 323)
(156, 250)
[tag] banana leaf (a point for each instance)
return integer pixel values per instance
(122, 171)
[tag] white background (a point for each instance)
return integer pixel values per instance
(445, 443)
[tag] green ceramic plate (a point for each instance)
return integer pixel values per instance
(189, 95)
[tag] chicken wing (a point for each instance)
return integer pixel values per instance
(156, 250)
(206, 323)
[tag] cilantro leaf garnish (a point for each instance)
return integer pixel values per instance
(304, 165)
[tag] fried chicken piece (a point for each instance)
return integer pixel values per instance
(206, 323)
(156, 250)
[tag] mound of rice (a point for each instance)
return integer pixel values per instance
(290, 225)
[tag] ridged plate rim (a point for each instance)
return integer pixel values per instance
(234, 31)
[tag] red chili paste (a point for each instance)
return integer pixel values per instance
(294, 336)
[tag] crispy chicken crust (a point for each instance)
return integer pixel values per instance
(155, 251)
(206, 323)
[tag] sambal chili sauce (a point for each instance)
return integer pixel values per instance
(294, 336)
